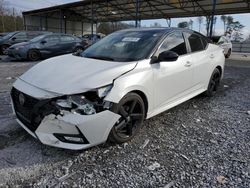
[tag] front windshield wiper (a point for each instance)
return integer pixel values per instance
(100, 57)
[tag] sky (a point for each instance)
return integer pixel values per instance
(24, 5)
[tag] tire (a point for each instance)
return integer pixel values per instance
(228, 53)
(78, 49)
(132, 111)
(213, 83)
(34, 55)
(4, 49)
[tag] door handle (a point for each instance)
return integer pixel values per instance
(212, 56)
(188, 64)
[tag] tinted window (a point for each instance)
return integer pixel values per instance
(174, 42)
(204, 41)
(65, 39)
(20, 36)
(124, 46)
(52, 40)
(195, 42)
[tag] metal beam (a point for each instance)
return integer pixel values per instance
(212, 19)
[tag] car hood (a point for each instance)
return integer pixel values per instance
(20, 44)
(69, 74)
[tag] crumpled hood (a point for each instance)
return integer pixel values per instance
(69, 74)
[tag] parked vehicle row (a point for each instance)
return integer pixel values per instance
(17, 37)
(35, 45)
(45, 46)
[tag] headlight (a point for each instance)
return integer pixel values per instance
(77, 104)
(19, 47)
(103, 91)
(85, 105)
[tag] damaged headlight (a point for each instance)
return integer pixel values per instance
(78, 104)
(87, 103)
(103, 91)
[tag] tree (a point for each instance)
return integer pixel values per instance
(156, 24)
(190, 24)
(10, 20)
(183, 24)
(200, 21)
(224, 20)
(234, 29)
(208, 22)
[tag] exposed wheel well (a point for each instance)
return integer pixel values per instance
(144, 98)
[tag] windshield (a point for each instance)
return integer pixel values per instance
(124, 46)
(36, 39)
(9, 35)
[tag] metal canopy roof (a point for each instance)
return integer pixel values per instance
(121, 10)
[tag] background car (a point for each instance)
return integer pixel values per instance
(90, 39)
(45, 46)
(17, 37)
(224, 43)
(106, 92)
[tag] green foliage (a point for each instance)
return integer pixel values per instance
(10, 23)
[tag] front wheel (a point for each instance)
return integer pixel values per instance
(213, 83)
(132, 111)
(34, 55)
(4, 49)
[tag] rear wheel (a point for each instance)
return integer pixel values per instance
(213, 83)
(228, 53)
(4, 49)
(34, 55)
(132, 111)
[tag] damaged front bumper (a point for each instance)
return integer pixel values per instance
(59, 130)
(66, 129)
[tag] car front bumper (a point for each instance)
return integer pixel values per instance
(54, 130)
(17, 54)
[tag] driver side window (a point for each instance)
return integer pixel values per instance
(174, 42)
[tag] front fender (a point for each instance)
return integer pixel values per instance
(140, 79)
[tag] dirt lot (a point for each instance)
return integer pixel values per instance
(204, 142)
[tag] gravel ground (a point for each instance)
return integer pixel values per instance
(204, 142)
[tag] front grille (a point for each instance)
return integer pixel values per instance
(29, 110)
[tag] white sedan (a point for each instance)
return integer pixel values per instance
(105, 93)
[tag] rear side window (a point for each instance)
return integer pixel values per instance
(204, 41)
(65, 39)
(21, 36)
(174, 42)
(52, 40)
(195, 42)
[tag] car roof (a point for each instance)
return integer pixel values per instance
(167, 29)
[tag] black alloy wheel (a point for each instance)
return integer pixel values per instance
(213, 83)
(132, 111)
(34, 55)
(4, 49)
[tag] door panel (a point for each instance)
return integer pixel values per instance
(172, 79)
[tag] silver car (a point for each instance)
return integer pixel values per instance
(224, 43)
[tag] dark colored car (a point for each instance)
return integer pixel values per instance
(45, 46)
(89, 39)
(17, 37)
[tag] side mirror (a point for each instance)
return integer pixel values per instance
(14, 38)
(43, 41)
(165, 56)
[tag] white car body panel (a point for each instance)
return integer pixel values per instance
(164, 85)
(96, 128)
(81, 74)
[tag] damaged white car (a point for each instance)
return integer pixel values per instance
(104, 93)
